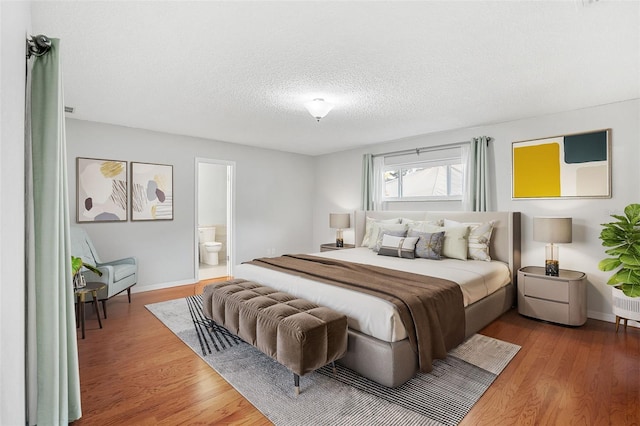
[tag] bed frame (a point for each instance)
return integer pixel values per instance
(392, 364)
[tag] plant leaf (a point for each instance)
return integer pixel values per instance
(630, 259)
(631, 290)
(632, 211)
(76, 264)
(624, 276)
(609, 264)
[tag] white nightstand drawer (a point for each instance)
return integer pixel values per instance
(547, 310)
(557, 290)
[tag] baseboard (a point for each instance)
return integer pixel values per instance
(159, 286)
(609, 318)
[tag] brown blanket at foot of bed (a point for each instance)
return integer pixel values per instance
(431, 309)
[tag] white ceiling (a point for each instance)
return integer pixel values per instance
(240, 71)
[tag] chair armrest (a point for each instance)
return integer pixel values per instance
(126, 260)
(107, 274)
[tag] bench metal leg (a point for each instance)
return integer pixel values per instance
(296, 382)
(333, 366)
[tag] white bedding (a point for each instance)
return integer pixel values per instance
(368, 314)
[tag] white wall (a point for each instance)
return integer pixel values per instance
(339, 180)
(273, 200)
(212, 194)
(15, 22)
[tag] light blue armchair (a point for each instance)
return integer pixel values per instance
(118, 275)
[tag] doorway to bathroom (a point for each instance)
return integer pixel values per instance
(214, 218)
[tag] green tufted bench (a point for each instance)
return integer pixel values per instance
(298, 334)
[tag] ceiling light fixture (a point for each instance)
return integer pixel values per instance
(318, 108)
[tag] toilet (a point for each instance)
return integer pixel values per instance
(209, 247)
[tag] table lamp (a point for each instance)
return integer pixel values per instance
(339, 221)
(552, 230)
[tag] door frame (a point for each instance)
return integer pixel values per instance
(231, 208)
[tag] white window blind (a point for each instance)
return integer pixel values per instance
(423, 175)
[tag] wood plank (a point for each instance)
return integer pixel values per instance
(136, 371)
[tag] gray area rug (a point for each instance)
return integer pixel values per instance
(442, 397)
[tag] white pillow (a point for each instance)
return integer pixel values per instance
(407, 221)
(421, 225)
(369, 231)
(455, 245)
(479, 238)
(398, 246)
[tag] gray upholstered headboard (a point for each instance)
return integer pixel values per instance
(505, 240)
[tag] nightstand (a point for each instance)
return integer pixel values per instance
(332, 246)
(561, 299)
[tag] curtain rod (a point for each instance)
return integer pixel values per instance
(419, 150)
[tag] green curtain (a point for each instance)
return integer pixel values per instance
(53, 373)
(367, 182)
(477, 188)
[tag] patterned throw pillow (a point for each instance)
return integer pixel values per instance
(429, 246)
(398, 246)
(479, 238)
(394, 230)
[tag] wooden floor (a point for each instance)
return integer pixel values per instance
(136, 371)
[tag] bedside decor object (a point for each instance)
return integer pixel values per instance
(101, 190)
(151, 191)
(569, 166)
(339, 221)
(552, 230)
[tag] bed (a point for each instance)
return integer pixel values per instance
(378, 347)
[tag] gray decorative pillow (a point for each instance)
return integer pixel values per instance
(377, 227)
(398, 246)
(386, 231)
(429, 245)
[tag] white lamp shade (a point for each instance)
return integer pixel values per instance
(318, 108)
(552, 229)
(339, 220)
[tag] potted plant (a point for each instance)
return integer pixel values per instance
(622, 237)
(76, 266)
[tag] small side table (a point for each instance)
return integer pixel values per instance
(561, 299)
(332, 246)
(81, 295)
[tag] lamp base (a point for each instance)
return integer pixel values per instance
(339, 238)
(551, 268)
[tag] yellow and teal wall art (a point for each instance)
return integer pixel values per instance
(573, 166)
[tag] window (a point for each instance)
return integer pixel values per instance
(431, 175)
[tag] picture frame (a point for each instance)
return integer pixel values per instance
(101, 190)
(571, 166)
(151, 191)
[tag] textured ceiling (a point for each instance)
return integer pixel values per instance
(240, 71)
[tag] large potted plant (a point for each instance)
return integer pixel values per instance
(622, 239)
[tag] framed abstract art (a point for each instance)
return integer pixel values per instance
(101, 190)
(151, 191)
(569, 166)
